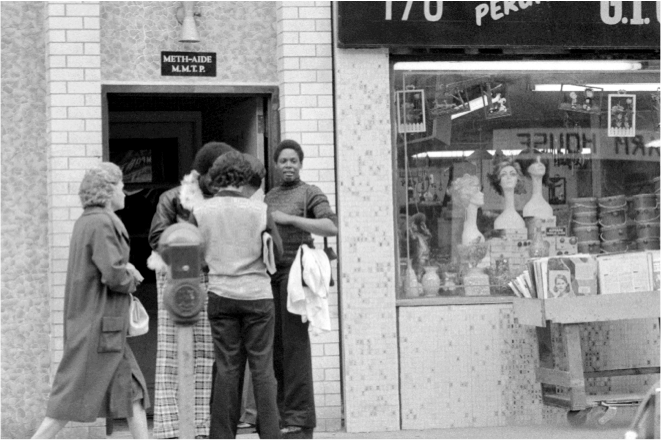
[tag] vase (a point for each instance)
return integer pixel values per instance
(412, 287)
(538, 246)
(431, 282)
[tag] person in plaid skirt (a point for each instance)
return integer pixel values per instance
(176, 205)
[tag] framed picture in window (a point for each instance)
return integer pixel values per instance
(411, 117)
(621, 115)
(557, 190)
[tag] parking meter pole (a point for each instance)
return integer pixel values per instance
(186, 394)
(180, 246)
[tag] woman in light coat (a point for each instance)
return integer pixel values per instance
(98, 375)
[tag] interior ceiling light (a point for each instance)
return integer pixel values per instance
(573, 66)
(656, 143)
(633, 87)
(466, 153)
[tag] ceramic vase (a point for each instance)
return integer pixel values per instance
(431, 282)
(412, 287)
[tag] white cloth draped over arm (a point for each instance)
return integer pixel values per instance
(310, 301)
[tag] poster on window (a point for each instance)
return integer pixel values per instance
(136, 165)
(411, 111)
(494, 100)
(581, 99)
(621, 115)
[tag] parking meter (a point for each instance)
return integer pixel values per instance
(180, 246)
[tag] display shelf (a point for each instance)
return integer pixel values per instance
(569, 313)
(596, 308)
(423, 301)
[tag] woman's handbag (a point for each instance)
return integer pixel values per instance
(330, 253)
(138, 318)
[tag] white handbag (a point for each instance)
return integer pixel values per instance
(138, 318)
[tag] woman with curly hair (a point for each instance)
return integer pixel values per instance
(98, 376)
(506, 179)
(240, 302)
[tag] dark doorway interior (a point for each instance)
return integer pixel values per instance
(154, 138)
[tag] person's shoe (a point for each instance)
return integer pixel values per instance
(296, 432)
(244, 425)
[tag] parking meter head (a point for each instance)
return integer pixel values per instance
(181, 248)
(177, 237)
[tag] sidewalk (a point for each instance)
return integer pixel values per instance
(614, 430)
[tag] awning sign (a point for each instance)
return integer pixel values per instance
(455, 24)
(188, 64)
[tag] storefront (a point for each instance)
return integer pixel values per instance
(385, 129)
(430, 94)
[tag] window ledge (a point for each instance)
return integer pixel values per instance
(454, 301)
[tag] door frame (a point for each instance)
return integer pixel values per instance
(271, 92)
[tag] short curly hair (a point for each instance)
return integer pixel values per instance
(209, 152)
(230, 169)
(98, 185)
(258, 171)
(499, 162)
(288, 144)
(463, 188)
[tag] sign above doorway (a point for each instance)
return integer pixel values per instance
(188, 64)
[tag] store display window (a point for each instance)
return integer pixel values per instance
(498, 162)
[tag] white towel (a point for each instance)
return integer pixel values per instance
(310, 301)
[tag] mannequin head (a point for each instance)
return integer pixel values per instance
(506, 174)
(466, 191)
(533, 165)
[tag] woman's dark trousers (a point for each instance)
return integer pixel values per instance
(292, 359)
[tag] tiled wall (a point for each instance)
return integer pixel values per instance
(306, 115)
(466, 366)
(25, 293)
(242, 34)
(477, 365)
(367, 239)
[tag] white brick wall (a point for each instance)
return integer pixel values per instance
(74, 113)
(306, 115)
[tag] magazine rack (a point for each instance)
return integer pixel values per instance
(570, 313)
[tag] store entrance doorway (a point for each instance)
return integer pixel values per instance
(154, 137)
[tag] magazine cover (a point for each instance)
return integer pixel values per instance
(572, 275)
(559, 281)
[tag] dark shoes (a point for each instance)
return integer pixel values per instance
(296, 432)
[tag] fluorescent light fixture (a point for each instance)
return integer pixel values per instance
(632, 87)
(656, 143)
(466, 153)
(551, 65)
